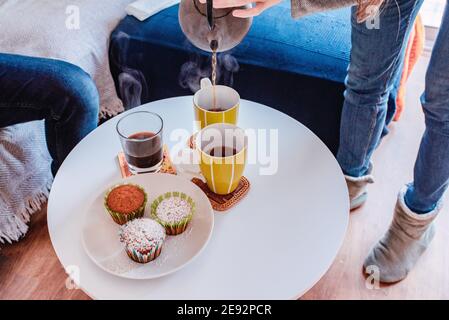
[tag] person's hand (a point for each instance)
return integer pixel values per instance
(260, 6)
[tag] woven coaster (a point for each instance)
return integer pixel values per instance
(167, 164)
(224, 202)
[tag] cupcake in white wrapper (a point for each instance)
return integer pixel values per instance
(174, 211)
(143, 239)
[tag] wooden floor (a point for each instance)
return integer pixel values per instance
(30, 269)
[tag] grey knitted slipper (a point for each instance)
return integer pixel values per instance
(407, 238)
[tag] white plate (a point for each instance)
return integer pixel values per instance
(102, 244)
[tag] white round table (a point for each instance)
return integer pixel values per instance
(275, 244)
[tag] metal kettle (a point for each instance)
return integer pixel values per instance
(212, 29)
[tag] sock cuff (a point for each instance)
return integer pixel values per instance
(369, 178)
(414, 215)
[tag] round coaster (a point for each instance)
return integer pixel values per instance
(224, 202)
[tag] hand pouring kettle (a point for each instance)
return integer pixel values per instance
(212, 29)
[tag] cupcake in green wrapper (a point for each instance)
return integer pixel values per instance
(143, 239)
(125, 202)
(174, 211)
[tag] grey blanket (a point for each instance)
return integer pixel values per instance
(48, 28)
(25, 177)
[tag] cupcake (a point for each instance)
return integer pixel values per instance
(125, 202)
(143, 239)
(174, 211)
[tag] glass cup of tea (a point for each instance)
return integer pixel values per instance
(141, 138)
(215, 104)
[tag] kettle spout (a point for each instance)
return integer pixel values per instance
(214, 45)
(214, 38)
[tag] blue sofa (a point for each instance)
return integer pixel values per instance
(295, 66)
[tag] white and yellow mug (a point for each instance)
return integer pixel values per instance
(224, 108)
(222, 171)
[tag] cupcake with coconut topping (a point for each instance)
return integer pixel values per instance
(174, 211)
(143, 239)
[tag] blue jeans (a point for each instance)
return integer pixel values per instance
(59, 92)
(375, 62)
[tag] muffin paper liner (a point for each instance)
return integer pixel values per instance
(121, 218)
(144, 258)
(173, 229)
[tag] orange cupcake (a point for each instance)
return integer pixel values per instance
(125, 202)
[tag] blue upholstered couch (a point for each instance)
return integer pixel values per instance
(295, 66)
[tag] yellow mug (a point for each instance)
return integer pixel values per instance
(222, 149)
(215, 104)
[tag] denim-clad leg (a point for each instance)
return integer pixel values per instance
(375, 62)
(59, 92)
(432, 165)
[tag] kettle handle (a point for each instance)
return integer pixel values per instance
(210, 13)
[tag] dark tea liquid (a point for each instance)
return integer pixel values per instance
(222, 152)
(217, 110)
(143, 152)
(214, 80)
(142, 135)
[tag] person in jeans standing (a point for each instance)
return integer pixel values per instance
(59, 92)
(375, 62)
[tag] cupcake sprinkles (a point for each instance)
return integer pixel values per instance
(173, 210)
(143, 239)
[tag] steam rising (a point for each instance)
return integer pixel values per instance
(230, 66)
(191, 74)
(132, 84)
(199, 67)
(133, 87)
